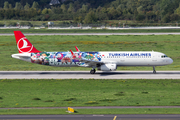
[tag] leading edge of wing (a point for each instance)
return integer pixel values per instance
(91, 61)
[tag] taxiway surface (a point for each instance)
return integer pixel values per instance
(87, 75)
(93, 117)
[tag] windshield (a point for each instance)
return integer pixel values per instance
(164, 56)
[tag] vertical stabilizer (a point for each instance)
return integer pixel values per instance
(23, 44)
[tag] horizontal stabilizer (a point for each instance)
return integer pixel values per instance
(22, 56)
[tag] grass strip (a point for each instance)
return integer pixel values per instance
(65, 93)
(168, 44)
(91, 111)
(90, 31)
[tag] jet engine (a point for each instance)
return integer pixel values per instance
(107, 67)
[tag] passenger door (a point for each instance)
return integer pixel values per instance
(154, 57)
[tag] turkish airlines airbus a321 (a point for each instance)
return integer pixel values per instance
(104, 61)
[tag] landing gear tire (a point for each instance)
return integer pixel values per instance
(93, 71)
(154, 70)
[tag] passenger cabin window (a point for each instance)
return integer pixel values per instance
(164, 56)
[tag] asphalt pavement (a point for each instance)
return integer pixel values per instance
(87, 75)
(92, 117)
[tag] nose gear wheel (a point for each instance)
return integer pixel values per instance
(93, 71)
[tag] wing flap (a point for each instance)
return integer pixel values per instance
(91, 62)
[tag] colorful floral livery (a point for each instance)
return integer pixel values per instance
(63, 58)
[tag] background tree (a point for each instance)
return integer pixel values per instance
(71, 8)
(140, 10)
(90, 18)
(77, 5)
(63, 7)
(56, 10)
(10, 6)
(140, 17)
(166, 18)
(6, 5)
(46, 11)
(18, 6)
(27, 6)
(35, 5)
(152, 10)
(113, 13)
(103, 10)
(177, 11)
(84, 8)
(78, 19)
(174, 17)
(23, 2)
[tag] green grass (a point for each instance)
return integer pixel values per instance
(89, 31)
(69, 93)
(168, 44)
(91, 111)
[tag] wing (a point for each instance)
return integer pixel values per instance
(91, 62)
(87, 62)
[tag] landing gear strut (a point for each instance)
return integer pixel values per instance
(93, 71)
(154, 70)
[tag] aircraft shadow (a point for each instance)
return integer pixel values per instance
(136, 73)
(87, 72)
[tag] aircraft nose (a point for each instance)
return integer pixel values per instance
(170, 61)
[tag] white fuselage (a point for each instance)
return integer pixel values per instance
(127, 58)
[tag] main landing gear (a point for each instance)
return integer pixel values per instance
(154, 70)
(93, 71)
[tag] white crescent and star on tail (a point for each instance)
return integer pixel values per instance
(24, 46)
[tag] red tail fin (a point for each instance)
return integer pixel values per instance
(23, 44)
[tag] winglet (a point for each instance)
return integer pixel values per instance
(23, 44)
(77, 49)
(73, 54)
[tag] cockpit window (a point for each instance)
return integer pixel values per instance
(164, 56)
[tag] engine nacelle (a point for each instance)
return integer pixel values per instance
(108, 67)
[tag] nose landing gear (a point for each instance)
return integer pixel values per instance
(93, 71)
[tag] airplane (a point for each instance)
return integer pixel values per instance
(104, 61)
